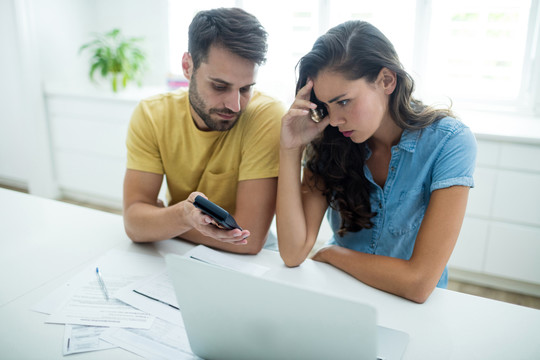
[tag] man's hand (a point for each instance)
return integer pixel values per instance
(207, 226)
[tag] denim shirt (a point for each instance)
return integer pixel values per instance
(438, 156)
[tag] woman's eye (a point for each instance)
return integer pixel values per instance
(343, 102)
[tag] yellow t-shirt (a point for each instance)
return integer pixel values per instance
(163, 139)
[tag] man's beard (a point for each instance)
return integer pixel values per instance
(199, 106)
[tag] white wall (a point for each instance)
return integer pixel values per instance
(12, 123)
(140, 18)
(64, 25)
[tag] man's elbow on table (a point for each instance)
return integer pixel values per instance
(136, 234)
(135, 237)
(253, 247)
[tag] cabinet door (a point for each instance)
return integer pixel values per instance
(520, 157)
(481, 196)
(513, 252)
(517, 197)
(488, 153)
(91, 176)
(89, 136)
(470, 247)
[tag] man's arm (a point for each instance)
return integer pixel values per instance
(255, 208)
(145, 220)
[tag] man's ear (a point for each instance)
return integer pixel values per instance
(187, 65)
(388, 80)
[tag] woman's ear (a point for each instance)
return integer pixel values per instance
(187, 65)
(388, 80)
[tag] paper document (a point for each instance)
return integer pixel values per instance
(214, 257)
(79, 338)
(163, 340)
(129, 265)
(88, 306)
(157, 286)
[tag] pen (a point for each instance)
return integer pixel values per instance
(102, 284)
(153, 298)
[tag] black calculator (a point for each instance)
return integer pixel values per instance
(223, 219)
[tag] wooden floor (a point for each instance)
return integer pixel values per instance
(500, 295)
(506, 296)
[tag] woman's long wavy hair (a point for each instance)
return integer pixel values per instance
(356, 49)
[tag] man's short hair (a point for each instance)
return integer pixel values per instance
(232, 28)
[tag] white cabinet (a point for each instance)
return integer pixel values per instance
(513, 251)
(88, 135)
(500, 237)
(469, 253)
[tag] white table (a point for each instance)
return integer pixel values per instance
(46, 242)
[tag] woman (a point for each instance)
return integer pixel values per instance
(393, 173)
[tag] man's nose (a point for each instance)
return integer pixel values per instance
(232, 101)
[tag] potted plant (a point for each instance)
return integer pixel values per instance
(116, 57)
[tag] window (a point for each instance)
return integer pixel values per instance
(476, 50)
(291, 34)
(478, 53)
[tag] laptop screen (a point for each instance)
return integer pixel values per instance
(233, 315)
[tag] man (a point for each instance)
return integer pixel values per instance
(220, 140)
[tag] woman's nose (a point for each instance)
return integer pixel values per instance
(336, 120)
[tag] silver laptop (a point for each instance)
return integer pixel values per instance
(232, 315)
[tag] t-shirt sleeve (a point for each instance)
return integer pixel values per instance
(260, 155)
(142, 145)
(456, 162)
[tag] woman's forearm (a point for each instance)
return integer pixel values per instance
(290, 215)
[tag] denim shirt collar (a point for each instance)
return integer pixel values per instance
(408, 141)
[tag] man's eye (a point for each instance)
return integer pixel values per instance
(245, 89)
(220, 87)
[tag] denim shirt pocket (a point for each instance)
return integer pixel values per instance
(409, 212)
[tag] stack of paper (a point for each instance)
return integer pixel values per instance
(141, 314)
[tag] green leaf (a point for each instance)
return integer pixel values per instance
(113, 55)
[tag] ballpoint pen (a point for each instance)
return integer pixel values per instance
(102, 284)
